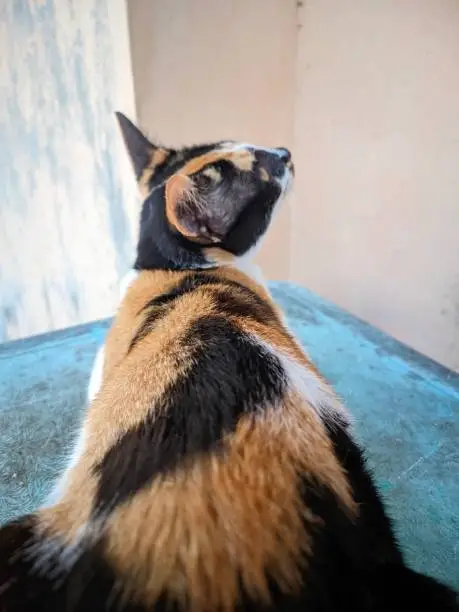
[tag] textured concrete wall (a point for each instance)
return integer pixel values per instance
(67, 205)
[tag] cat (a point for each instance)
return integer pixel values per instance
(216, 468)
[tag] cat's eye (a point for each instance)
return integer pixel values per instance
(212, 173)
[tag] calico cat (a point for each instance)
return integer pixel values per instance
(215, 469)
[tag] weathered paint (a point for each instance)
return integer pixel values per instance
(406, 411)
(68, 208)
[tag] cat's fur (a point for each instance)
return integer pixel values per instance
(215, 470)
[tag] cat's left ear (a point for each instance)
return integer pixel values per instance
(145, 156)
(197, 216)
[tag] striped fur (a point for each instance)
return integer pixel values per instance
(215, 470)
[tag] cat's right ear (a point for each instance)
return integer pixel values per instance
(144, 155)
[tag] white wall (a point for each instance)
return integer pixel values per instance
(67, 211)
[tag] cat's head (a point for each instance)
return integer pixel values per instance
(203, 204)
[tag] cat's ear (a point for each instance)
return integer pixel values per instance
(145, 155)
(196, 217)
(137, 144)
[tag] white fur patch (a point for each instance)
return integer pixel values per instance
(303, 381)
(239, 146)
(95, 381)
(246, 265)
(61, 485)
(126, 281)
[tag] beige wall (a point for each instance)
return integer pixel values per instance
(375, 225)
(213, 70)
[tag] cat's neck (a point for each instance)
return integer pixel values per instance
(150, 257)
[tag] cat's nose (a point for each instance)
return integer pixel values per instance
(273, 160)
(284, 154)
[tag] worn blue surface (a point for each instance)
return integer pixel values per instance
(406, 410)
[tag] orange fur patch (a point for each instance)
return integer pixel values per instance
(180, 193)
(178, 187)
(242, 159)
(225, 519)
(158, 157)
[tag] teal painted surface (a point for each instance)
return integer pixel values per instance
(406, 411)
(65, 191)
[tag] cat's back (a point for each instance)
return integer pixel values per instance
(196, 451)
(215, 472)
(215, 441)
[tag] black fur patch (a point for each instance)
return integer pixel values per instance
(253, 221)
(230, 297)
(159, 248)
(356, 563)
(230, 376)
(373, 516)
(90, 586)
(339, 576)
(139, 147)
(240, 303)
